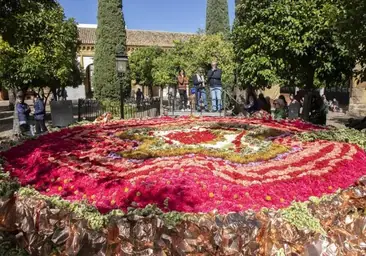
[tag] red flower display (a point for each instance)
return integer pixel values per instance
(194, 137)
(86, 163)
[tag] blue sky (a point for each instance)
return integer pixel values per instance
(163, 15)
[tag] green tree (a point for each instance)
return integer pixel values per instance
(111, 37)
(217, 17)
(164, 71)
(37, 47)
(350, 21)
(141, 65)
(214, 48)
(198, 52)
(290, 43)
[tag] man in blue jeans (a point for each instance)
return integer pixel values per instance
(214, 80)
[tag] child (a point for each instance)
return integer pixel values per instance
(39, 115)
(192, 98)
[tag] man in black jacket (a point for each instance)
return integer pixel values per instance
(199, 84)
(214, 80)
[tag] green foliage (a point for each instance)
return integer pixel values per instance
(165, 69)
(7, 185)
(217, 17)
(37, 46)
(213, 48)
(95, 219)
(198, 52)
(8, 246)
(341, 135)
(141, 64)
(351, 25)
(299, 215)
(290, 43)
(111, 37)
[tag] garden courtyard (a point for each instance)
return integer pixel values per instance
(257, 156)
(217, 185)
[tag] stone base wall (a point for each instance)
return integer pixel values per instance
(357, 106)
(358, 110)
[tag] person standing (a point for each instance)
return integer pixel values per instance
(282, 97)
(318, 114)
(139, 97)
(39, 115)
(199, 83)
(293, 108)
(23, 112)
(251, 102)
(263, 104)
(182, 87)
(214, 79)
(279, 112)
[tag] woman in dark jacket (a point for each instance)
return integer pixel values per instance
(318, 113)
(39, 115)
(251, 101)
(23, 112)
(263, 104)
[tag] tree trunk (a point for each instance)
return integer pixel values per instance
(151, 91)
(16, 128)
(307, 105)
(161, 99)
(54, 93)
(12, 99)
(308, 96)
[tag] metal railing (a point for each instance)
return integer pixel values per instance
(90, 109)
(228, 104)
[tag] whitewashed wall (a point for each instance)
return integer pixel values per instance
(79, 92)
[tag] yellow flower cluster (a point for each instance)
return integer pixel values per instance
(144, 151)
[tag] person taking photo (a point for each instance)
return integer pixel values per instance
(200, 90)
(214, 80)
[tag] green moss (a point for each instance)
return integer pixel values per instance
(8, 246)
(299, 215)
(339, 135)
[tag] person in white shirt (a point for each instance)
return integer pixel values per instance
(200, 85)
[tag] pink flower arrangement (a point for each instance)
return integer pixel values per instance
(84, 163)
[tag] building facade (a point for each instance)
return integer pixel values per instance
(135, 39)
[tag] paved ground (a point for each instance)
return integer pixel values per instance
(6, 118)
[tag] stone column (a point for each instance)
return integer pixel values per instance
(357, 106)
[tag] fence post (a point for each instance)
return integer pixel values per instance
(173, 105)
(79, 110)
(224, 105)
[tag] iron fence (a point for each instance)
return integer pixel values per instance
(90, 109)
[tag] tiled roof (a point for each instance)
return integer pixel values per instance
(87, 35)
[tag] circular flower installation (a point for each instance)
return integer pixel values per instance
(186, 164)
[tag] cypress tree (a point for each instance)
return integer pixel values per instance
(111, 37)
(217, 17)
